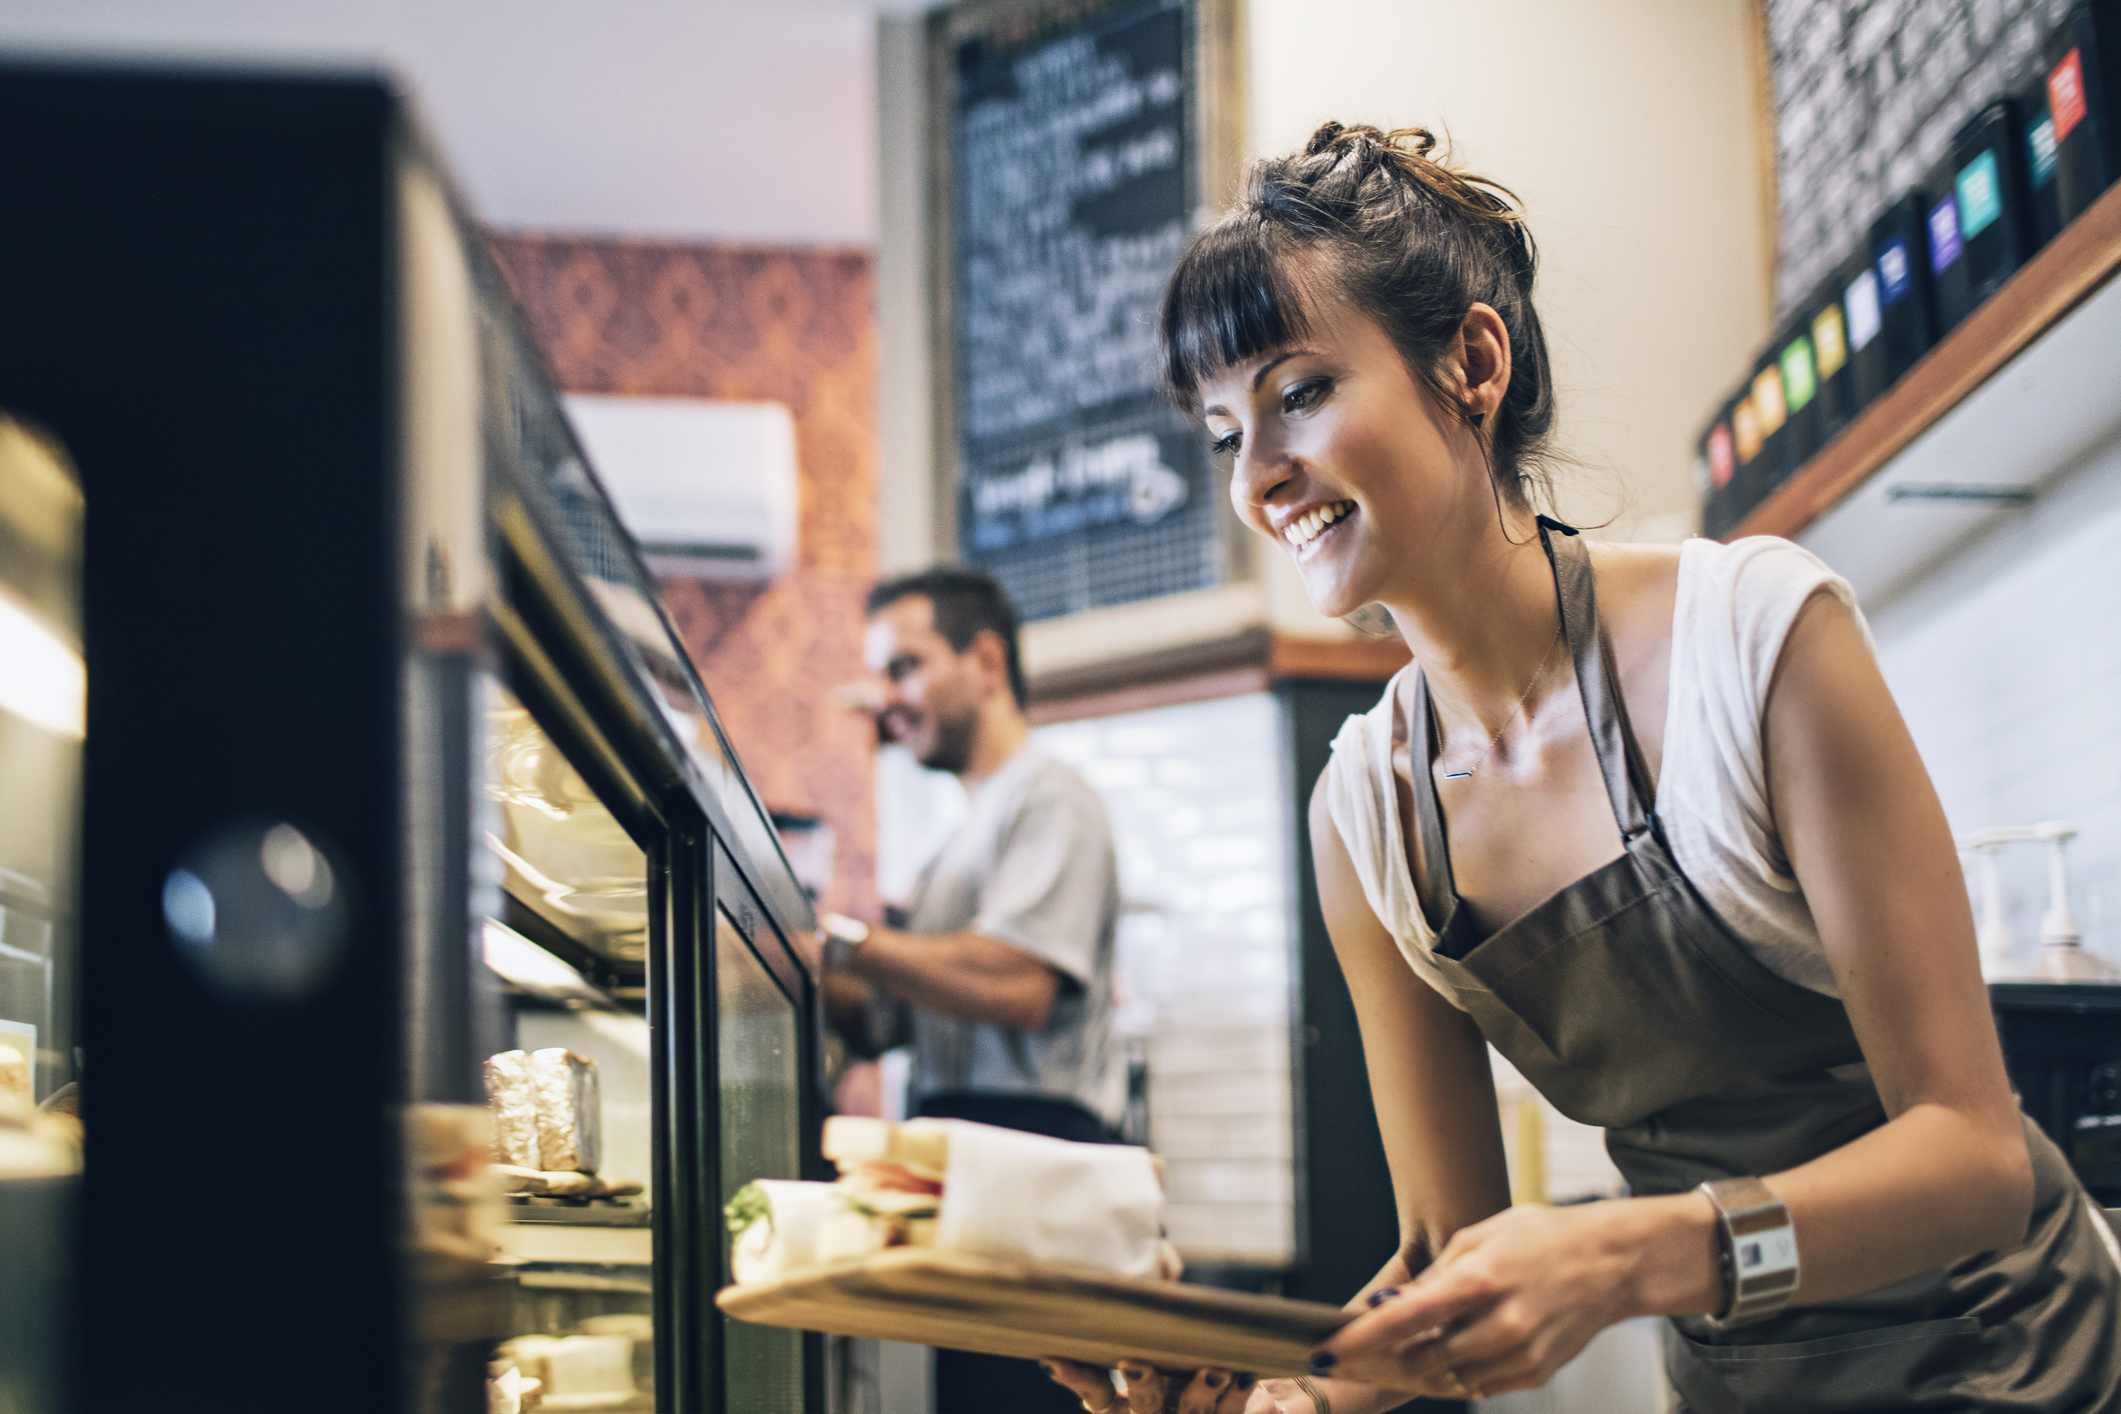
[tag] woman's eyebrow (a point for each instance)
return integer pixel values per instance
(1260, 377)
(1273, 363)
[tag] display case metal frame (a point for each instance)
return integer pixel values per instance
(217, 331)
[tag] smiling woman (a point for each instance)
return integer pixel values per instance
(1689, 876)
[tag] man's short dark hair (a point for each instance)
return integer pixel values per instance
(966, 601)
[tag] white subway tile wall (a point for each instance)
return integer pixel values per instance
(1200, 816)
(2006, 661)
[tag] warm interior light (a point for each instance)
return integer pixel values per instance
(41, 678)
(517, 959)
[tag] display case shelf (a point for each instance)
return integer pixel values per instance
(2051, 286)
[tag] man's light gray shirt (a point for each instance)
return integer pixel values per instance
(1031, 866)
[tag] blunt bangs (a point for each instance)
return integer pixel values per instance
(1230, 299)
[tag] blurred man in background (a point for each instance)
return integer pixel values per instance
(1001, 979)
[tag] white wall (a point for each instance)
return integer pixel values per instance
(2007, 665)
(1627, 127)
(688, 119)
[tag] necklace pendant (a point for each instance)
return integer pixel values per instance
(1456, 775)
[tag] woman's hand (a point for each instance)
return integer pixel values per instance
(1152, 1391)
(1513, 1298)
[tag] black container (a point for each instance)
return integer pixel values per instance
(1748, 481)
(1900, 258)
(1989, 178)
(1719, 460)
(1951, 280)
(1863, 317)
(2083, 72)
(1836, 371)
(1800, 390)
(2043, 192)
(1771, 413)
(2062, 1049)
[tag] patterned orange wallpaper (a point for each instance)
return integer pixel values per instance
(795, 326)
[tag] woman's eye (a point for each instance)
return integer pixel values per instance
(1225, 445)
(1304, 395)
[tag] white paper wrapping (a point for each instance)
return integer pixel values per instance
(1009, 1194)
(786, 1240)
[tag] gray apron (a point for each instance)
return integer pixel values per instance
(1630, 1005)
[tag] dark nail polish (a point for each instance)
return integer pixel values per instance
(1049, 1367)
(1323, 1361)
(1383, 1294)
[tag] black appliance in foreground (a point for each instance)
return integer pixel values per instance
(390, 762)
(2062, 1046)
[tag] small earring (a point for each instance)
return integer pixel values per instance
(1478, 418)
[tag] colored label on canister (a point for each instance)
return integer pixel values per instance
(1865, 320)
(1945, 244)
(1894, 273)
(2040, 145)
(1829, 342)
(1721, 456)
(1767, 400)
(1745, 430)
(2065, 95)
(1980, 195)
(1799, 382)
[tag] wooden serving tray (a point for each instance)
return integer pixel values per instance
(935, 1296)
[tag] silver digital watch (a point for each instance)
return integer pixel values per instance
(1759, 1251)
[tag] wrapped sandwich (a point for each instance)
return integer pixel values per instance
(950, 1183)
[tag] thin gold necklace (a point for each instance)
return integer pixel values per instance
(1493, 741)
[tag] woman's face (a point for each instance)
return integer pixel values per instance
(1341, 458)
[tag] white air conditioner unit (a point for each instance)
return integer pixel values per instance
(707, 487)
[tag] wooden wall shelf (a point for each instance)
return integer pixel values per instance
(1252, 661)
(2072, 267)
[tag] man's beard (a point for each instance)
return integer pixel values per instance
(951, 748)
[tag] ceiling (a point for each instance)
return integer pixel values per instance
(688, 119)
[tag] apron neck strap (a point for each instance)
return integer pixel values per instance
(1612, 739)
(1576, 597)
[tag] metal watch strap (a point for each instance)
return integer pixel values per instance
(1759, 1250)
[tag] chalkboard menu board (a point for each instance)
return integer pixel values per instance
(1073, 181)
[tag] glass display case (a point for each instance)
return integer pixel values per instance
(431, 946)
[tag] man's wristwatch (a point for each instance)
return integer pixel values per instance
(844, 937)
(1759, 1251)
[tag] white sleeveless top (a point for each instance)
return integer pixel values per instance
(1735, 606)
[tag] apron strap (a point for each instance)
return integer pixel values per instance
(1576, 596)
(1604, 710)
(1439, 890)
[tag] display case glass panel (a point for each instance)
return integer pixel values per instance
(570, 1091)
(758, 1055)
(42, 686)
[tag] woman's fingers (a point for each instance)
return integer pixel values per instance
(1087, 1383)
(1148, 1388)
(1214, 1392)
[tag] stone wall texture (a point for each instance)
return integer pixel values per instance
(768, 324)
(1867, 96)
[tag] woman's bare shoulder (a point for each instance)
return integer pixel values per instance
(1638, 587)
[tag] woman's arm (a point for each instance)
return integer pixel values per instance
(1947, 1176)
(1429, 1080)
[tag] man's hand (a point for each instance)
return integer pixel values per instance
(1152, 1391)
(965, 975)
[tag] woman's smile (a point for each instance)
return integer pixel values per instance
(1306, 531)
